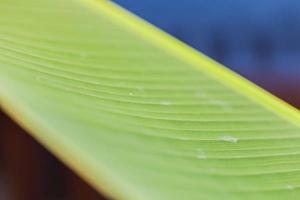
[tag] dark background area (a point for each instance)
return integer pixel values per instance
(258, 39)
(29, 172)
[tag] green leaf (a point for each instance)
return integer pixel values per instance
(138, 114)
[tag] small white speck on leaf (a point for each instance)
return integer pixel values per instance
(140, 88)
(165, 103)
(200, 94)
(289, 187)
(83, 54)
(130, 93)
(228, 138)
(67, 88)
(218, 102)
(184, 138)
(212, 170)
(201, 154)
(224, 105)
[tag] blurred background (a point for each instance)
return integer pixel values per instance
(258, 39)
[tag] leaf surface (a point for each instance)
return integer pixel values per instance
(137, 113)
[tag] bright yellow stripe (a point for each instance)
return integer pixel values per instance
(196, 59)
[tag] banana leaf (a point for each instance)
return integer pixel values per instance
(138, 114)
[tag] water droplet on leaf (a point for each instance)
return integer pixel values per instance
(201, 154)
(228, 138)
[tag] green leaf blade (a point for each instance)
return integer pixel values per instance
(137, 117)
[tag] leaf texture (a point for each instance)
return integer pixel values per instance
(138, 114)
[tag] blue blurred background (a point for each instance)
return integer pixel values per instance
(258, 39)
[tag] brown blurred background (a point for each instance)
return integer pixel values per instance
(30, 172)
